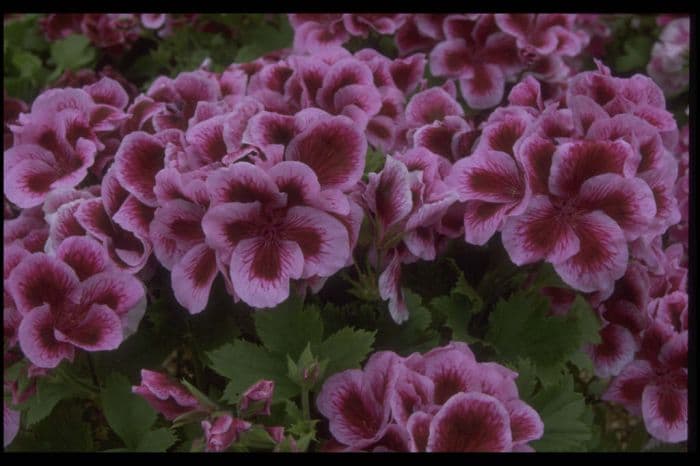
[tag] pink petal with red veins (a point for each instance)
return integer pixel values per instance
(37, 341)
(388, 193)
(470, 422)
(482, 220)
(108, 91)
(226, 225)
(206, 139)
(91, 215)
(334, 149)
(628, 386)
(134, 216)
(665, 412)
(138, 160)
(390, 289)
(243, 182)
(488, 176)
(28, 183)
(516, 24)
(628, 201)
(585, 112)
(266, 128)
(418, 427)
(537, 234)
(120, 291)
(574, 163)
(323, 240)
(485, 88)
(430, 105)
(355, 417)
(452, 371)
(527, 93)
(421, 243)
(342, 73)
(64, 225)
(614, 352)
(602, 257)
(525, 424)
(674, 353)
(451, 58)
(535, 154)
(177, 227)
(297, 181)
(100, 330)
(41, 279)
(84, 255)
(407, 72)
(261, 270)
(193, 276)
(411, 393)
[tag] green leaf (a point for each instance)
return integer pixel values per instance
(264, 39)
(346, 349)
(49, 391)
(413, 335)
(255, 438)
(245, 363)
(63, 430)
(564, 414)
(27, 63)
(527, 377)
(289, 327)
(374, 161)
(158, 440)
(72, 52)
(637, 50)
(129, 415)
(521, 327)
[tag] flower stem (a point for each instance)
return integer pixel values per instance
(305, 403)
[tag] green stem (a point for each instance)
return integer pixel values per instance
(305, 403)
(95, 380)
(198, 370)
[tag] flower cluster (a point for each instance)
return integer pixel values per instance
(113, 32)
(481, 51)
(670, 57)
(583, 180)
(443, 400)
(645, 343)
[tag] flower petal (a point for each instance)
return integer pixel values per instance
(334, 149)
(470, 422)
(388, 193)
(192, 277)
(525, 424)
(41, 279)
(84, 255)
(615, 351)
(602, 257)
(261, 270)
(100, 330)
(665, 412)
(136, 163)
(36, 338)
(485, 88)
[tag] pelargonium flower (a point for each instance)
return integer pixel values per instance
(165, 395)
(259, 392)
(269, 227)
(668, 65)
(76, 299)
(443, 400)
(224, 430)
(407, 199)
(10, 424)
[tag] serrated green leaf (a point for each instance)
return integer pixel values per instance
(413, 335)
(64, 430)
(158, 440)
(129, 415)
(49, 392)
(346, 349)
(563, 412)
(27, 63)
(527, 377)
(289, 327)
(245, 363)
(72, 53)
(521, 327)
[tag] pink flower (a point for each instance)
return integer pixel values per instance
(76, 299)
(259, 392)
(668, 65)
(165, 395)
(223, 431)
(10, 424)
(441, 401)
(262, 226)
